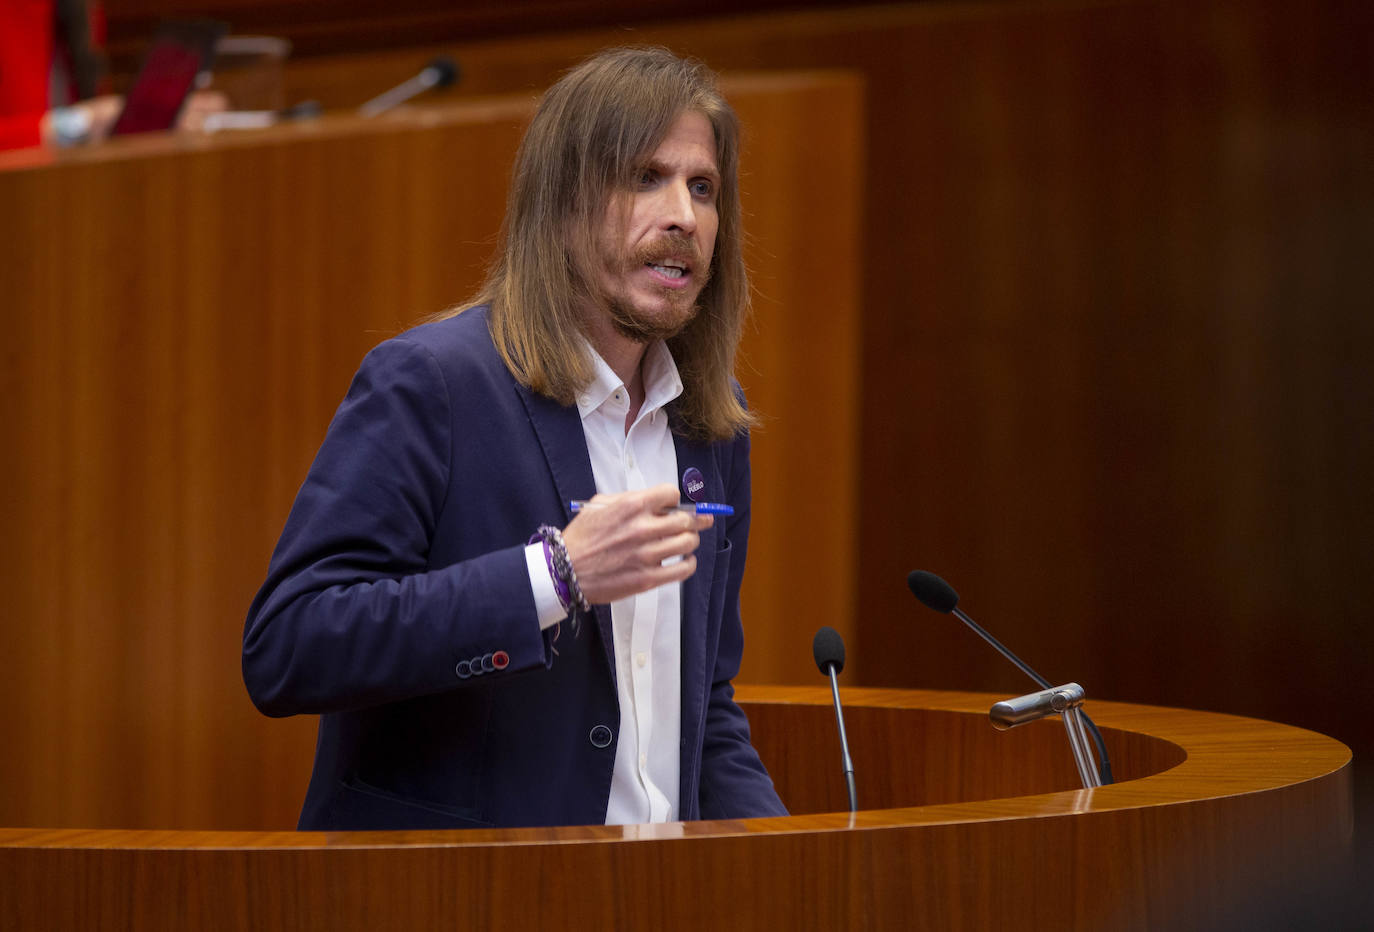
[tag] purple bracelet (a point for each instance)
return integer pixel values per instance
(561, 572)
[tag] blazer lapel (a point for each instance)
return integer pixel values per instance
(559, 429)
(696, 596)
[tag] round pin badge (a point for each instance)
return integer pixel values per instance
(694, 484)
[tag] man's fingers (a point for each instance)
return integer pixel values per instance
(675, 546)
(660, 497)
(678, 571)
(619, 547)
(676, 522)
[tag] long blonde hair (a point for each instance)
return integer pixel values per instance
(591, 131)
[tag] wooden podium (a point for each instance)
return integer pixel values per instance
(962, 828)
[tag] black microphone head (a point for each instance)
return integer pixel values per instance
(828, 648)
(933, 591)
(445, 71)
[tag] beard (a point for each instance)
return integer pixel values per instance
(633, 324)
(681, 306)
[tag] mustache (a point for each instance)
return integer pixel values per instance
(668, 246)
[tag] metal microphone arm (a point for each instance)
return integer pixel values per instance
(1063, 700)
(997, 645)
(439, 73)
(1080, 718)
(846, 762)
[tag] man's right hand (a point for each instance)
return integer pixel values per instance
(617, 543)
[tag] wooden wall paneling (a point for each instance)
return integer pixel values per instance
(1131, 343)
(317, 27)
(799, 364)
(1114, 332)
(190, 322)
(184, 318)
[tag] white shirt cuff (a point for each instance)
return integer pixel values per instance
(546, 604)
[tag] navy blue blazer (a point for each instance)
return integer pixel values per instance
(402, 563)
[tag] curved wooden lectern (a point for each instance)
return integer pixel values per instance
(962, 828)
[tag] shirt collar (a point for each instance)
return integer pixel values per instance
(661, 381)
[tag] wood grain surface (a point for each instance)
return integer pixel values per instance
(1239, 812)
(317, 27)
(1114, 336)
(1115, 331)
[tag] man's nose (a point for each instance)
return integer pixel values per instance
(678, 209)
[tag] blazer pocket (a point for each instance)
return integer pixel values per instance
(723, 556)
(361, 805)
(720, 573)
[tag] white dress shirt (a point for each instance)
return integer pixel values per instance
(646, 627)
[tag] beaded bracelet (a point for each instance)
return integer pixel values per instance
(561, 572)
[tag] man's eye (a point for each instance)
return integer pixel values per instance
(703, 189)
(645, 178)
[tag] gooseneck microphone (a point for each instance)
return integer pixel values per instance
(938, 595)
(441, 72)
(828, 649)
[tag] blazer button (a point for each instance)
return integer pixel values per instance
(463, 669)
(600, 736)
(487, 662)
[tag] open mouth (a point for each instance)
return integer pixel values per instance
(669, 268)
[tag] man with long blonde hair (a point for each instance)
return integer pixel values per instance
(489, 586)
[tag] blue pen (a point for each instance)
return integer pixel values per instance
(701, 508)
